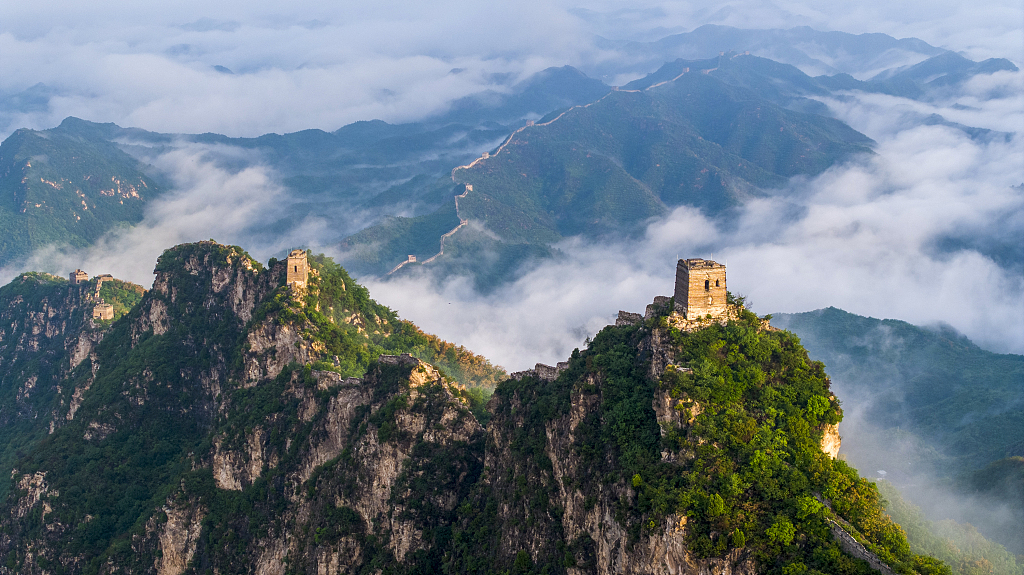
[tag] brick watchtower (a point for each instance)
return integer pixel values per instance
(298, 269)
(700, 288)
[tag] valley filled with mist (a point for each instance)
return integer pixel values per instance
(502, 182)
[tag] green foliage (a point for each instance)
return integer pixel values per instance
(477, 397)
(523, 562)
(47, 311)
(122, 295)
(65, 186)
(352, 330)
(742, 461)
(966, 417)
(958, 545)
(608, 168)
(458, 362)
(753, 467)
(781, 532)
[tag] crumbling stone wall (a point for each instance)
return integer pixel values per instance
(854, 548)
(627, 318)
(541, 371)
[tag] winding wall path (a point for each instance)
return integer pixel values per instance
(486, 155)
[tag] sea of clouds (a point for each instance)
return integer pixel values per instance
(865, 236)
(870, 236)
(290, 66)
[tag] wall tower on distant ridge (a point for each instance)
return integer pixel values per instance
(298, 269)
(78, 277)
(700, 288)
(103, 310)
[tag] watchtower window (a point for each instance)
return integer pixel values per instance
(707, 285)
(716, 283)
(296, 269)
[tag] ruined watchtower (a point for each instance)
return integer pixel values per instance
(700, 288)
(78, 277)
(103, 310)
(298, 269)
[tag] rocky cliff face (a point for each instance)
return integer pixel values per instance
(589, 516)
(215, 430)
(146, 386)
(351, 484)
(46, 330)
(206, 373)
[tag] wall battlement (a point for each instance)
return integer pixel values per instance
(541, 371)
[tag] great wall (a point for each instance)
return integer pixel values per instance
(102, 310)
(462, 221)
(508, 140)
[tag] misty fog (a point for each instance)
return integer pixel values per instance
(244, 69)
(918, 232)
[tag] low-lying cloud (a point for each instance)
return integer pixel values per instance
(862, 237)
(245, 69)
(207, 201)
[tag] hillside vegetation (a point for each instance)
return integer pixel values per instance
(231, 423)
(608, 167)
(959, 545)
(66, 186)
(935, 409)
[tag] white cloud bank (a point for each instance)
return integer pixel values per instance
(207, 201)
(861, 236)
(311, 64)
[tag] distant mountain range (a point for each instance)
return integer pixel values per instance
(60, 187)
(934, 407)
(231, 421)
(813, 51)
(400, 176)
(704, 133)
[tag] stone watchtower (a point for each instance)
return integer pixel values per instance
(78, 277)
(700, 288)
(298, 269)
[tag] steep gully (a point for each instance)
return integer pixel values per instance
(487, 155)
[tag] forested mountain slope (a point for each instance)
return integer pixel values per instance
(234, 424)
(933, 407)
(609, 167)
(66, 187)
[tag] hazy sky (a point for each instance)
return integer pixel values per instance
(298, 65)
(861, 236)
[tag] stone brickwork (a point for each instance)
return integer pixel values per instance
(103, 311)
(659, 307)
(854, 548)
(627, 318)
(541, 371)
(99, 282)
(78, 277)
(700, 288)
(404, 359)
(298, 269)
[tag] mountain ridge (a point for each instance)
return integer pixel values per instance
(216, 432)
